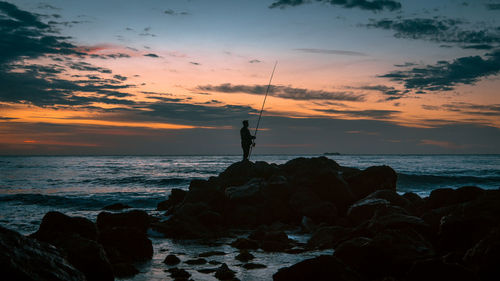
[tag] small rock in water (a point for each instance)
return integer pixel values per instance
(196, 261)
(171, 260)
(243, 243)
(224, 273)
(254, 265)
(116, 207)
(179, 274)
(244, 256)
(207, 270)
(211, 253)
(214, 262)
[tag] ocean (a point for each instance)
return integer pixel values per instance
(83, 185)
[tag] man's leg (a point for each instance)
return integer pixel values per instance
(246, 150)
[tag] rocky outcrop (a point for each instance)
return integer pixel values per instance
(23, 258)
(322, 268)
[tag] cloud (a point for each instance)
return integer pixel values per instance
(375, 5)
(254, 61)
(329, 52)
(369, 113)
(119, 77)
(468, 108)
(391, 92)
(85, 66)
(285, 92)
(171, 12)
(493, 6)
(194, 63)
(440, 30)
(443, 144)
(152, 55)
(445, 75)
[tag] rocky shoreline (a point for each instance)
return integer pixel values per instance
(376, 233)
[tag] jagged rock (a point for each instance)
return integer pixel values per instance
(76, 236)
(116, 207)
(327, 237)
(322, 268)
(171, 260)
(224, 273)
(23, 258)
(244, 256)
(372, 179)
(176, 197)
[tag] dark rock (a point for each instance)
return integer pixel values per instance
(484, 256)
(244, 243)
(443, 197)
(196, 261)
(389, 253)
(393, 218)
(116, 207)
(327, 237)
(76, 236)
(253, 266)
(176, 197)
(171, 260)
(210, 219)
(372, 179)
(224, 273)
(126, 244)
(207, 270)
(437, 270)
(322, 268)
(211, 253)
(272, 241)
(364, 209)
(306, 203)
(179, 273)
(244, 256)
(415, 200)
(393, 197)
(132, 219)
(27, 259)
(59, 224)
(214, 262)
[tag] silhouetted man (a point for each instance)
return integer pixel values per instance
(246, 139)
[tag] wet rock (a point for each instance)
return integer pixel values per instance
(244, 256)
(322, 268)
(211, 253)
(207, 270)
(196, 261)
(126, 244)
(443, 197)
(171, 260)
(136, 219)
(272, 241)
(244, 243)
(116, 207)
(179, 273)
(437, 270)
(176, 197)
(244, 193)
(76, 236)
(224, 273)
(124, 270)
(307, 204)
(364, 209)
(28, 259)
(372, 179)
(253, 266)
(393, 197)
(327, 237)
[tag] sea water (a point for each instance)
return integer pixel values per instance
(83, 185)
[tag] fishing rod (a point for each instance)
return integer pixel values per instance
(262, 109)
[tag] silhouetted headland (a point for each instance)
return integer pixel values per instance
(377, 233)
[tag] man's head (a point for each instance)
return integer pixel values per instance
(245, 123)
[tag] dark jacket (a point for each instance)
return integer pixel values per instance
(246, 137)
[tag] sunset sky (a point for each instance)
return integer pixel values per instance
(178, 76)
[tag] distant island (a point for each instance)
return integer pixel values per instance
(331, 153)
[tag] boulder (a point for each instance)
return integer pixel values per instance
(27, 259)
(443, 197)
(272, 241)
(365, 209)
(126, 244)
(244, 193)
(327, 237)
(171, 260)
(77, 238)
(136, 219)
(224, 273)
(176, 197)
(393, 197)
(244, 243)
(306, 203)
(179, 273)
(244, 256)
(322, 268)
(372, 179)
(252, 265)
(196, 261)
